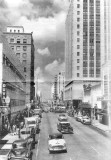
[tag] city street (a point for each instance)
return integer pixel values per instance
(85, 144)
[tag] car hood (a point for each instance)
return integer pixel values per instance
(19, 151)
(56, 142)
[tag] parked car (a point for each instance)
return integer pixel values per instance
(21, 149)
(86, 120)
(79, 118)
(32, 122)
(56, 142)
(25, 133)
(64, 127)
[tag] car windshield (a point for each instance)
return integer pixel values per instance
(31, 122)
(55, 136)
(63, 119)
(65, 124)
(19, 145)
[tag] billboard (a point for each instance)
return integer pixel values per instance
(1, 67)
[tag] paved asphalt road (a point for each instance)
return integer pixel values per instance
(85, 144)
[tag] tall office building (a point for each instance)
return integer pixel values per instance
(82, 47)
(23, 46)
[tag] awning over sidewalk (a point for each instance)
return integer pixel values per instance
(85, 105)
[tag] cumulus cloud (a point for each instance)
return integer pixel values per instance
(55, 67)
(44, 17)
(44, 51)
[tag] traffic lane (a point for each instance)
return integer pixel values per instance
(99, 143)
(41, 151)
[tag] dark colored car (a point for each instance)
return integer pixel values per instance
(21, 149)
(64, 127)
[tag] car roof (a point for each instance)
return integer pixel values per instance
(30, 118)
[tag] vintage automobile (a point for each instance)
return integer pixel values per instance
(56, 142)
(86, 120)
(32, 122)
(25, 133)
(62, 117)
(64, 127)
(79, 118)
(21, 149)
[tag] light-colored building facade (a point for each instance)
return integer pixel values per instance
(12, 82)
(82, 47)
(23, 46)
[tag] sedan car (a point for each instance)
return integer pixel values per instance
(21, 149)
(62, 117)
(86, 120)
(56, 142)
(79, 118)
(64, 127)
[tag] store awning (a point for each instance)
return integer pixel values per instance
(85, 105)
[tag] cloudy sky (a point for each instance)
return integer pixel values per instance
(46, 19)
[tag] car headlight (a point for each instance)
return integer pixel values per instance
(50, 146)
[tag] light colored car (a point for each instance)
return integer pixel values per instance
(86, 120)
(79, 118)
(25, 133)
(62, 117)
(56, 142)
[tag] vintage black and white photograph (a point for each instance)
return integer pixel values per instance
(55, 79)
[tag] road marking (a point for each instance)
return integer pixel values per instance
(95, 150)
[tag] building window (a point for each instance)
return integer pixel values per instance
(14, 30)
(18, 55)
(10, 30)
(18, 48)
(78, 33)
(78, 46)
(78, 67)
(78, 5)
(24, 62)
(18, 40)
(78, 74)
(78, 53)
(12, 40)
(18, 31)
(78, 26)
(78, 60)
(78, 12)
(24, 48)
(12, 47)
(24, 40)
(24, 55)
(78, 39)
(78, 19)
(24, 69)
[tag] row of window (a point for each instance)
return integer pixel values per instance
(12, 40)
(18, 48)
(24, 55)
(16, 102)
(7, 62)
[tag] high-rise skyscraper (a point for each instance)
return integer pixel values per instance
(82, 47)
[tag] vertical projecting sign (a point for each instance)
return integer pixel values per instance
(1, 66)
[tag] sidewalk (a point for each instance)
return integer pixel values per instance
(101, 127)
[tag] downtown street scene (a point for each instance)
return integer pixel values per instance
(55, 80)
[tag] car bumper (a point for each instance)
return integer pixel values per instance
(19, 158)
(54, 149)
(67, 131)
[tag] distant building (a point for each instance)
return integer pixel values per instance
(23, 46)
(60, 86)
(12, 83)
